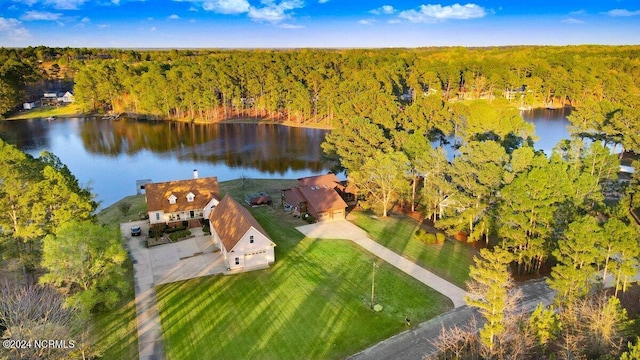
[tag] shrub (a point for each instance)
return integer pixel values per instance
(156, 231)
(425, 237)
(430, 238)
(440, 237)
(175, 229)
(179, 234)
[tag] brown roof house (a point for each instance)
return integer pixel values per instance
(243, 242)
(318, 196)
(176, 201)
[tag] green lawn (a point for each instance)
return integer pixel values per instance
(313, 303)
(46, 111)
(112, 215)
(450, 260)
(238, 190)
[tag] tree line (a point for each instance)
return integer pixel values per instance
(311, 85)
(70, 266)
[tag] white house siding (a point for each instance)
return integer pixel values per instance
(209, 207)
(156, 217)
(249, 255)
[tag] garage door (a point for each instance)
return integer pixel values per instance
(338, 214)
(254, 259)
(323, 216)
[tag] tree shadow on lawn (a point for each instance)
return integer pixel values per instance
(312, 304)
(450, 260)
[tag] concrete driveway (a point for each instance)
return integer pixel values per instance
(185, 260)
(163, 264)
(343, 229)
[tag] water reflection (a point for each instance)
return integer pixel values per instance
(267, 148)
(27, 135)
(551, 126)
(109, 156)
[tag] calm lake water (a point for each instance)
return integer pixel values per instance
(109, 156)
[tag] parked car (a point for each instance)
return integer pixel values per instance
(136, 231)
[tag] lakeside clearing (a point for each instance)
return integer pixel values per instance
(71, 110)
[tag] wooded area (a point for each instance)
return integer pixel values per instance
(392, 111)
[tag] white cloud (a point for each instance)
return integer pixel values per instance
(103, 26)
(622, 12)
(193, 8)
(115, 2)
(40, 15)
(29, 2)
(85, 20)
(12, 29)
(65, 4)
(290, 26)
(274, 12)
(227, 6)
(366, 21)
(384, 9)
(578, 12)
(173, 17)
(572, 21)
(435, 13)
(153, 28)
(323, 1)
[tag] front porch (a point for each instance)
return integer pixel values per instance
(179, 216)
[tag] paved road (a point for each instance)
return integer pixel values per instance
(343, 229)
(417, 343)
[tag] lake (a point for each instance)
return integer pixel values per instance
(109, 156)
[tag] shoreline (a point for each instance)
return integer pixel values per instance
(228, 121)
(38, 114)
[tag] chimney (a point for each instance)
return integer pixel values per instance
(195, 173)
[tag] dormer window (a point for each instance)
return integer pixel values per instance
(190, 197)
(172, 199)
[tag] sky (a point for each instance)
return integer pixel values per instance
(315, 23)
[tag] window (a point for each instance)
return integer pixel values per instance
(190, 197)
(237, 261)
(172, 199)
(192, 214)
(157, 216)
(251, 239)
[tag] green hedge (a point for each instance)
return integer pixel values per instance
(175, 229)
(179, 234)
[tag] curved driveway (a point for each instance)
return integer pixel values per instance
(343, 229)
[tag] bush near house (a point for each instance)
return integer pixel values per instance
(174, 236)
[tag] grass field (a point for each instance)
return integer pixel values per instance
(46, 111)
(313, 303)
(112, 215)
(450, 260)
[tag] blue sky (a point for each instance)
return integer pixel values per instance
(315, 23)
